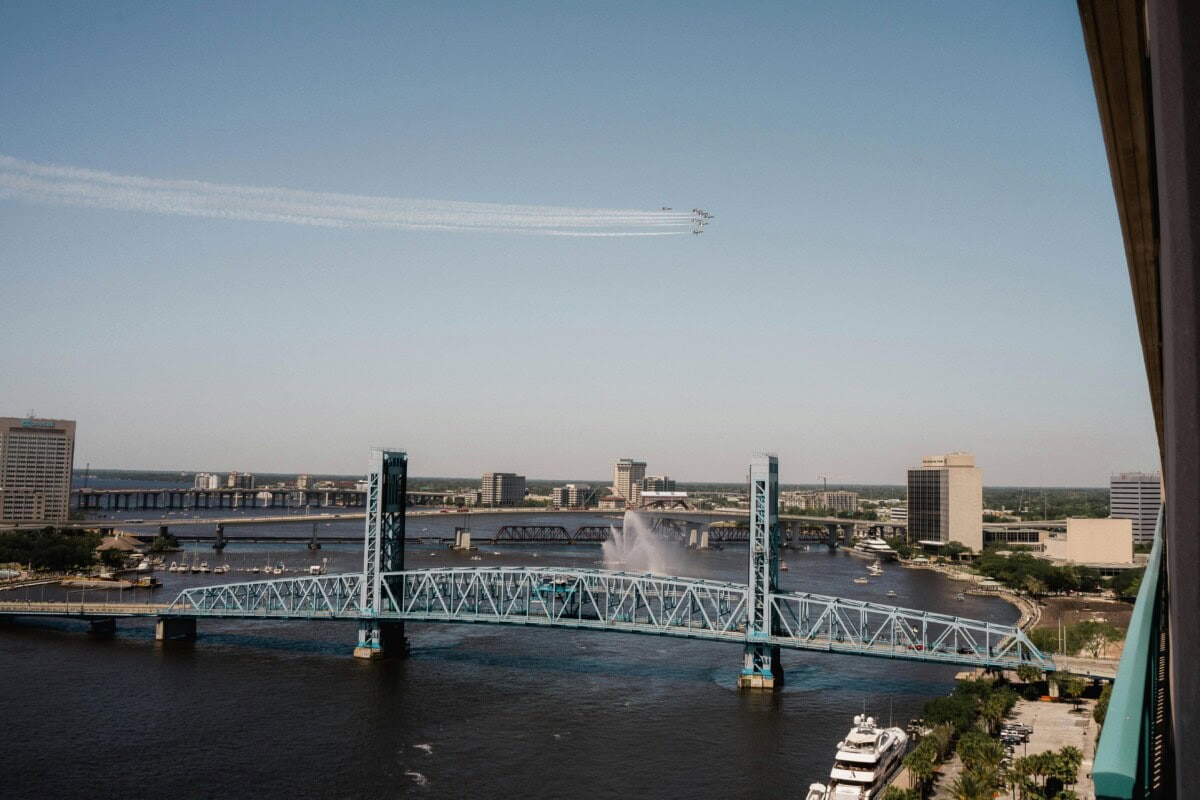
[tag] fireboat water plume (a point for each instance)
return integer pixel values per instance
(635, 547)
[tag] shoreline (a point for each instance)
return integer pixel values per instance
(1030, 610)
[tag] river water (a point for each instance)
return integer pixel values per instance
(275, 709)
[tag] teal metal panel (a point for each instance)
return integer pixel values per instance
(1123, 755)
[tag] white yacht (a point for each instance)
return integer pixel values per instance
(866, 760)
(873, 548)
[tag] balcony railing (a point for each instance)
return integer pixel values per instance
(1132, 757)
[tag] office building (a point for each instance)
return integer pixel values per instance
(1136, 496)
(945, 501)
(206, 480)
(304, 481)
(239, 480)
(36, 458)
(627, 480)
(658, 483)
(502, 489)
(573, 495)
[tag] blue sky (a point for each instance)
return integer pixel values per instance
(915, 247)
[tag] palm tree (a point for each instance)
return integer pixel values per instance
(920, 766)
(971, 785)
(993, 712)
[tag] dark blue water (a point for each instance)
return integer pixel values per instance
(281, 709)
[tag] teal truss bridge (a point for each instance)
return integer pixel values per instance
(757, 615)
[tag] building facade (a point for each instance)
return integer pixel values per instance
(658, 483)
(573, 495)
(36, 458)
(627, 480)
(239, 480)
(206, 480)
(1136, 496)
(945, 501)
(501, 489)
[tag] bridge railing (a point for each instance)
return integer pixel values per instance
(626, 601)
(1131, 753)
(810, 621)
(565, 597)
(308, 596)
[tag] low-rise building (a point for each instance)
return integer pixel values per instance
(613, 502)
(1092, 541)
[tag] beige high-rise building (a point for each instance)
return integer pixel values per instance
(945, 501)
(36, 457)
(627, 480)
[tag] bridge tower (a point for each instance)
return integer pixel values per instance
(383, 551)
(762, 668)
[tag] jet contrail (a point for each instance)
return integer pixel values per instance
(50, 184)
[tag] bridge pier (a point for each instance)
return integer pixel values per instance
(175, 628)
(762, 669)
(380, 639)
(102, 627)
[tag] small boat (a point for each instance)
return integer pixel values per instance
(960, 596)
(173, 568)
(477, 558)
(144, 565)
(204, 567)
(891, 593)
(254, 570)
(861, 580)
(783, 567)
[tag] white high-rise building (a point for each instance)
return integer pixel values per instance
(573, 495)
(207, 480)
(1136, 496)
(36, 458)
(627, 480)
(945, 501)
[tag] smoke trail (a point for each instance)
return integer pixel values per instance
(49, 184)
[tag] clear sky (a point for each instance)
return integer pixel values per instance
(915, 247)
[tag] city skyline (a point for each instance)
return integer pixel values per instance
(915, 248)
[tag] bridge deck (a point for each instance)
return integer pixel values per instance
(599, 600)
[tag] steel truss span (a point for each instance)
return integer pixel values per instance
(620, 601)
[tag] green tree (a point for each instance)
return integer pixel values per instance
(164, 542)
(971, 785)
(921, 765)
(994, 709)
(896, 793)
(1028, 673)
(955, 549)
(1093, 637)
(1101, 709)
(1070, 685)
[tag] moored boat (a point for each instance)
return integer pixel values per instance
(866, 760)
(873, 548)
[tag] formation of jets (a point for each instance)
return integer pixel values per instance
(699, 219)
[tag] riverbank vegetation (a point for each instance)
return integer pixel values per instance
(49, 548)
(967, 722)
